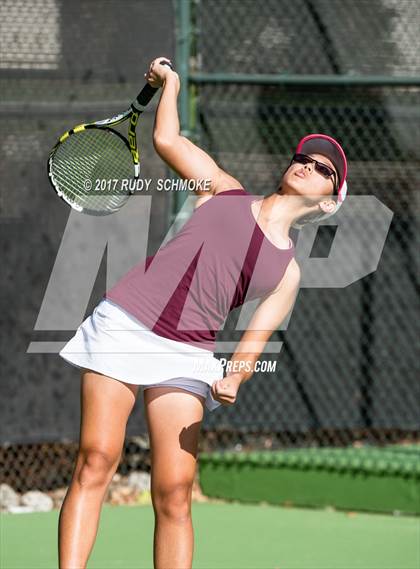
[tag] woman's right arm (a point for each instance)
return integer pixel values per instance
(184, 157)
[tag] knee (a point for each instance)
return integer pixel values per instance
(95, 468)
(172, 500)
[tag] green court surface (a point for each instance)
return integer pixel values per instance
(228, 535)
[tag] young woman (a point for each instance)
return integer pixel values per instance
(154, 327)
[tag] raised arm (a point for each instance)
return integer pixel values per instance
(187, 159)
(270, 313)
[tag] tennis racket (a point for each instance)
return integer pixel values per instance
(92, 166)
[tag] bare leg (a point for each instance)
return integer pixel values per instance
(106, 404)
(174, 419)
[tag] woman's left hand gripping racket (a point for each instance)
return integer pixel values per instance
(91, 165)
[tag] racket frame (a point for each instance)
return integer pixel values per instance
(132, 114)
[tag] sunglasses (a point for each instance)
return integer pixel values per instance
(321, 168)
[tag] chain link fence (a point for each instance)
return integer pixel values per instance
(314, 37)
(280, 70)
(61, 63)
(346, 373)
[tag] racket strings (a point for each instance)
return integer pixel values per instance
(89, 168)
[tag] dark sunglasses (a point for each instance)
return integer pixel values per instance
(323, 169)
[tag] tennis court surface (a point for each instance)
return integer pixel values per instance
(228, 536)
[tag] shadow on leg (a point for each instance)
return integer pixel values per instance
(174, 418)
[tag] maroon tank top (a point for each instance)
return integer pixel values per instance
(218, 260)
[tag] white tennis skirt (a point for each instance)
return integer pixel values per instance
(112, 342)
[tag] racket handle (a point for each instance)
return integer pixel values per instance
(147, 93)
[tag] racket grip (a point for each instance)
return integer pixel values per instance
(147, 93)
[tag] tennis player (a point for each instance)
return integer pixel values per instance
(159, 321)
